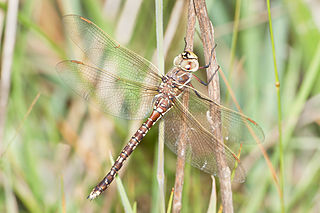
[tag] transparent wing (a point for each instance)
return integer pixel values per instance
(120, 97)
(236, 127)
(200, 144)
(107, 54)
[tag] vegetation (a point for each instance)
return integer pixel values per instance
(54, 151)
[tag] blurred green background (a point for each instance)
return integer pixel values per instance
(51, 159)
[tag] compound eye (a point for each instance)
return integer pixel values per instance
(186, 65)
(193, 65)
(177, 60)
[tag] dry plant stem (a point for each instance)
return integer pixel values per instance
(207, 37)
(20, 125)
(160, 169)
(178, 186)
(7, 55)
(213, 197)
(190, 26)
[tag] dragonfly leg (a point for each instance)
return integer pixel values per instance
(211, 55)
(206, 83)
(197, 94)
(185, 43)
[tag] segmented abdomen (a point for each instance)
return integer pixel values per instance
(157, 113)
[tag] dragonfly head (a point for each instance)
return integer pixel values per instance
(187, 61)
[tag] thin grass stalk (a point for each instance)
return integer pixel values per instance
(235, 35)
(20, 125)
(265, 155)
(173, 23)
(213, 197)
(63, 197)
(310, 78)
(296, 108)
(247, 22)
(170, 201)
(122, 192)
(160, 167)
(272, 170)
(263, 151)
(251, 132)
(178, 186)
(7, 57)
(134, 207)
(277, 84)
(234, 41)
(207, 37)
(171, 29)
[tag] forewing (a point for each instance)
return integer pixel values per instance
(114, 95)
(105, 53)
(200, 145)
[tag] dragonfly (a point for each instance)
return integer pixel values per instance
(126, 85)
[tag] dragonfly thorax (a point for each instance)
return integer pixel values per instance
(187, 61)
(174, 82)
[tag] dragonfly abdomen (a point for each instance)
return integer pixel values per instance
(157, 113)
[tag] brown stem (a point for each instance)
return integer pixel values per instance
(207, 37)
(190, 26)
(178, 186)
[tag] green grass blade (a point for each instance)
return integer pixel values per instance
(170, 201)
(159, 32)
(277, 83)
(123, 195)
